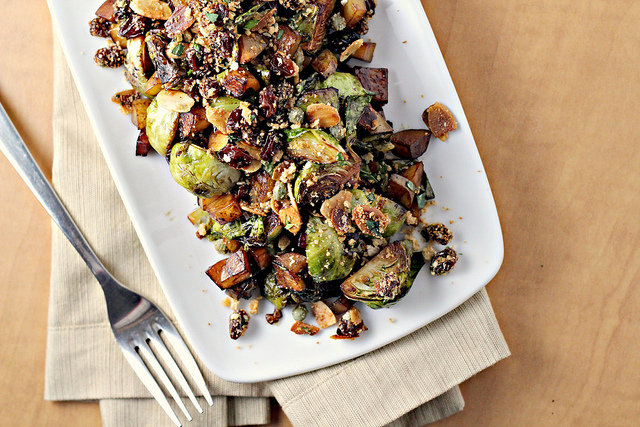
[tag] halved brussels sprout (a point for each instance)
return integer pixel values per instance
(384, 280)
(325, 252)
(346, 83)
(134, 63)
(314, 145)
(162, 125)
(316, 183)
(327, 96)
(199, 172)
(271, 291)
(396, 213)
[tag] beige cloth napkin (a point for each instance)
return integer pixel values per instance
(408, 383)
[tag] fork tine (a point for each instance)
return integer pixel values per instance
(159, 346)
(143, 373)
(143, 347)
(181, 348)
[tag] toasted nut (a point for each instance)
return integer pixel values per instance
(218, 117)
(323, 314)
(175, 100)
(323, 115)
(153, 9)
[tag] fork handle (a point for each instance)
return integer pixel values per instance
(15, 149)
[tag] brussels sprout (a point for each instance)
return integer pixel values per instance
(162, 125)
(271, 291)
(327, 96)
(257, 231)
(346, 83)
(316, 183)
(417, 262)
(396, 213)
(134, 63)
(230, 231)
(355, 105)
(383, 281)
(200, 172)
(314, 145)
(326, 253)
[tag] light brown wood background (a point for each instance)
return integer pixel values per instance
(551, 89)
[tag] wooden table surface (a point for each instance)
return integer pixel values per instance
(551, 89)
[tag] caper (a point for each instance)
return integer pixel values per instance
(300, 312)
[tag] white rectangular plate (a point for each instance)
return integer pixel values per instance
(158, 206)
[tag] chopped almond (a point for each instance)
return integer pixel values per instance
(323, 314)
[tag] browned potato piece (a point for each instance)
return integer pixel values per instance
(414, 174)
(249, 47)
(411, 143)
(373, 122)
(107, 10)
(365, 52)
(237, 82)
(193, 122)
(153, 85)
(260, 256)
(139, 112)
(231, 271)
(323, 314)
(142, 144)
(375, 80)
(288, 43)
(341, 305)
(439, 120)
(399, 190)
(292, 261)
(288, 280)
(322, 115)
(353, 11)
(325, 63)
(224, 208)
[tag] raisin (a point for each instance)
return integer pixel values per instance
(283, 65)
(191, 88)
(133, 26)
(238, 323)
(209, 88)
(437, 232)
(442, 262)
(272, 143)
(222, 45)
(243, 119)
(268, 101)
(234, 157)
(99, 27)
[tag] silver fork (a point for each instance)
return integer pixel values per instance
(135, 321)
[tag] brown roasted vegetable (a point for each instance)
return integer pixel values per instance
(193, 122)
(414, 174)
(365, 52)
(142, 143)
(319, 30)
(374, 80)
(374, 122)
(288, 41)
(231, 271)
(411, 144)
(261, 256)
(224, 208)
(325, 63)
(292, 261)
(139, 112)
(353, 11)
(401, 190)
(439, 120)
(237, 82)
(289, 280)
(107, 10)
(341, 305)
(250, 46)
(180, 20)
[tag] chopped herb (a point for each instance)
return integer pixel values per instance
(213, 17)
(288, 226)
(268, 167)
(178, 49)
(189, 73)
(197, 47)
(421, 200)
(250, 24)
(280, 34)
(374, 227)
(410, 186)
(371, 197)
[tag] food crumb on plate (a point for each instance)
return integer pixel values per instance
(392, 320)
